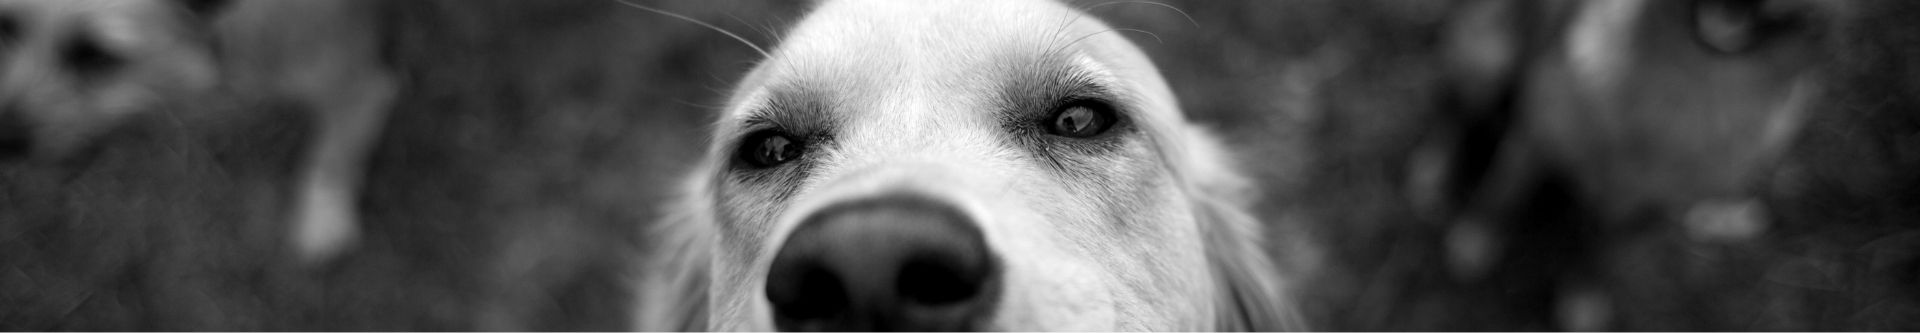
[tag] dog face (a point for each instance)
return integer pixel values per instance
(1649, 97)
(1647, 103)
(1782, 126)
(965, 165)
(71, 69)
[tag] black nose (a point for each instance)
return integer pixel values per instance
(15, 141)
(901, 263)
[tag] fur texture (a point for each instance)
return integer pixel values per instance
(1142, 228)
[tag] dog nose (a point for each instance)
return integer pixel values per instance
(897, 263)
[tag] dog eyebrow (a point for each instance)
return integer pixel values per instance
(1037, 86)
(793, 108)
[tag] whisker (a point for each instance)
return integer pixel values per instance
(765, 30)
(1156, 38)
(1068, 24)
(1054, 37)
(769, 27)
(1196, 24)
(743, 40)
(737, 19)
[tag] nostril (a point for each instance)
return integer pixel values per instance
(816, 293)
(895, 263)
(936, 282)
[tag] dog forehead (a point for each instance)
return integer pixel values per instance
(890, 44)
(962, 23)
(855, 52)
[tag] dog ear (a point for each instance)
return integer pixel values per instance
(673, 286)
(1251, 296)
(1250, 288)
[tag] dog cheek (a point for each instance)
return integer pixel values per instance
(1152, 235)
(1181, 279)
(746, 215)
(1047, 235)
(1051, 291)
(744, 222)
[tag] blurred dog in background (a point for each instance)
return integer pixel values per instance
(73, 70)
(76, 69)
(1596, 131)
(960, 165)
(325, 56)
(1641, 103)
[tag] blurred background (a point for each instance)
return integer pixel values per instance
(534, 140)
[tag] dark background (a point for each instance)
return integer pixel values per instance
(534, 140)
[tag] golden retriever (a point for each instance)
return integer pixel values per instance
(75, 69)
(1611, 126)
(325, 56)
(72, 70)
(960, 165)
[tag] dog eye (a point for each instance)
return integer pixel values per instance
(770, 148)
(1735, 26)
(1081, 119)
(86, 56)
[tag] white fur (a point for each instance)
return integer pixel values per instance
(1155, 237)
